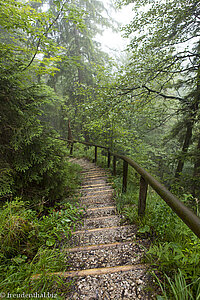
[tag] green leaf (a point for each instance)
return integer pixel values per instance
(50, 242)
(20, 259)
(144, 229)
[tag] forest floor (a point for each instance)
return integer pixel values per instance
(105, 258)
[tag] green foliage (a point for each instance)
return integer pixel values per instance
(27, 245)
(25, 36)
(15, 229)
(127, 112)
(158, 90)
(21, 232)
(58, 224)
(16, 274)
(79, 71)
(179, 289)
(175, 250)
(33, 161)
(170, 255)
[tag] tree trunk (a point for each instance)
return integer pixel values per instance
(196, 173)
(188, 137)
(78, 53)
(70, 138)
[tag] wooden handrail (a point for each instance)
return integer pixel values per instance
(187, 216)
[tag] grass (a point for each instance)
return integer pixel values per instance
(30, 243)
(174, 251)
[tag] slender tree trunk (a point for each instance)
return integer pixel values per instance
(188, 137)
(196, 173)
(70, 137)
(194, 110)
(78, 53)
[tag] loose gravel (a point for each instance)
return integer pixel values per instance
(105, 256)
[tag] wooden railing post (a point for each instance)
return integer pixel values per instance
(95, 154)
(125, 175)
(109, 158)
(142, 196)
(71, 149)
(114, 165)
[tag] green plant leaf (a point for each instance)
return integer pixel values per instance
(144, 229)
(50, 242)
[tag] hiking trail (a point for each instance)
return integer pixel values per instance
(105, 258)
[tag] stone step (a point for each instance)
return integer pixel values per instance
(95, 203)
(94, 174)
(100, 187)
(94, 180)
(82, 162)
(90, 176)
(98, 192)
(93, 168)
(97, 198)
(95, 271)
(91, 184)
(89, 169)
(101, 211)
(121, 282)
(102, 194)
(93, 171)
(98, 195)
(86, 165)
(103, 235)
(100, 222)
(104, 255)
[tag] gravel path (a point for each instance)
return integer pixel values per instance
(105, 259)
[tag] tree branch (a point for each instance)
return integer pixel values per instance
(45, 33)
(162, 95)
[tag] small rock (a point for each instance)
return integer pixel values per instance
(126, 293)
(139, 281)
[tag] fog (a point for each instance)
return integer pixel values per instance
(111, 41)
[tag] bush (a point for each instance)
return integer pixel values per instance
(33, 162)
(16, 224)
(28, 246)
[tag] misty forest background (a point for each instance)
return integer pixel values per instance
(144, 104)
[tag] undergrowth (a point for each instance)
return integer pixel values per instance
(175, 250)
(30, 243)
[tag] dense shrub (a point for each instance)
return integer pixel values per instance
(29, 245)
(33, 161)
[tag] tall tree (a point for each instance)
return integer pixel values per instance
(82, 57)
(165, 58)
(26, 137)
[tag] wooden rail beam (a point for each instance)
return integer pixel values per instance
(186, 215)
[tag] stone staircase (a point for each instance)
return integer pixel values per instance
(104, 257)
